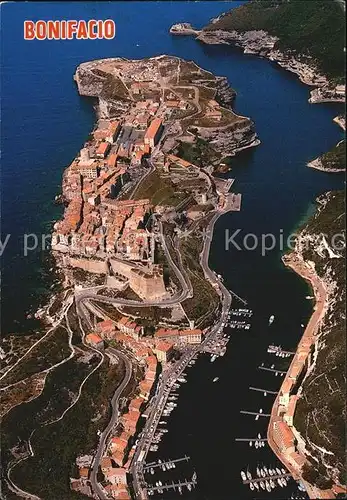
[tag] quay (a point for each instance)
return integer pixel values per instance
(262, 390)
(255, 413)
(172, 486)
(153, 465)
(271, 369)
(267, 478)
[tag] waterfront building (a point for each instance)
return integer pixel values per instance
(180, 336)
(116, 475)
(289, 414)
(164, 351)
(284, 392)
(283, 437)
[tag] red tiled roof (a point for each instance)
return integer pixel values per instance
(93, 338)
(153, 128)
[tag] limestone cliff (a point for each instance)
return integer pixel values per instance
(321, 413)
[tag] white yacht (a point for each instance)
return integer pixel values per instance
(249, 475)
(251, 485)
(262, 485)
(271, 319)
(243, 475)
(258, 472)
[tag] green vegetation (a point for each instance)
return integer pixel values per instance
(199, 153)
(57, 445)
(315, 29)
(159, 191)
(204, 303)
(51, 350)
(321, 412)
(335, 158)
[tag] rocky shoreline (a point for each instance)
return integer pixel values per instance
(318, 165)
(260, 43)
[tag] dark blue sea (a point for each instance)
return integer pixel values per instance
(44, 124)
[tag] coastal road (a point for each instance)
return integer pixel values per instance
(105, 434)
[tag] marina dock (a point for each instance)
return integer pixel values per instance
(250, 439)
(265, 391)
(271, 370)
(255, 413)
(173, 486)
(153, 465)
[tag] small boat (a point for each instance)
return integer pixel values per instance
(257, 416)
(250, 444)
(249, 475)
(262, 485)
(215, 379)
(262, 472)
(251, 485)
(265, 393)
(278, 471)
(258, 472)
(259, 436)
(189, 486)
(261, 410)
(272, 484)
(267, 485)
(152, 470)
(279, 482)
(284, 482)
(256, 444)
(213, 358)
(271, 319)
(243, 475)
(256, 486)
(283, 471)
(266, 471)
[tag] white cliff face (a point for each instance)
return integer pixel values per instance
(262, 43)
(321, 410)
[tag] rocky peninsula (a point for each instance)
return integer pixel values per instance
(137, 297)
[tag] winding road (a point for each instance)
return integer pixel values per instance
(115, 412)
